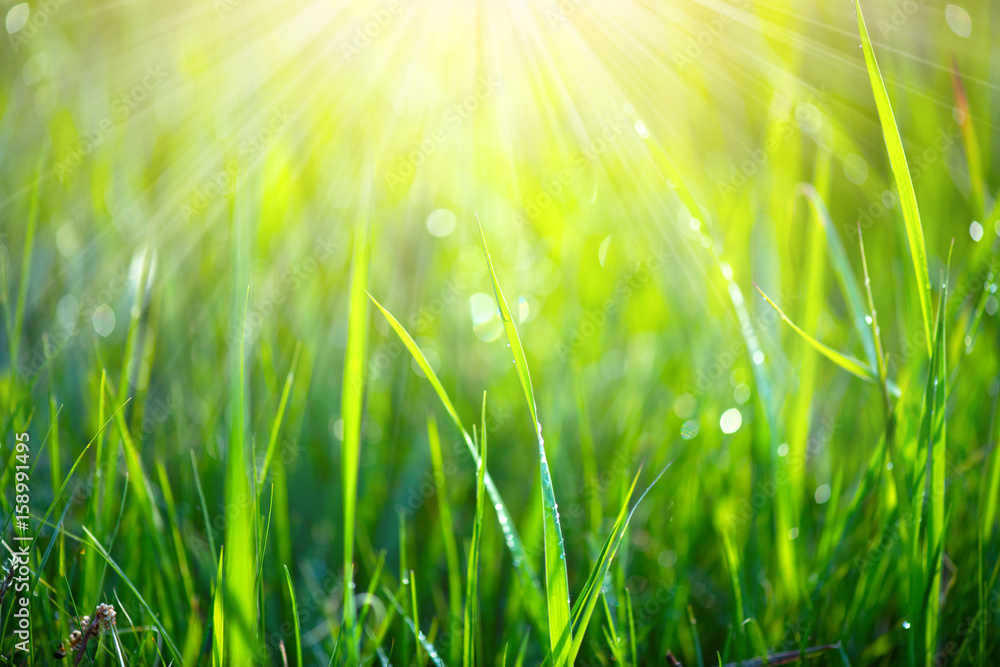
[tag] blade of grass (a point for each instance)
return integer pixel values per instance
(240, 559)
(219, 616)
(295, 617)
(526, 574)
(447, 532)
(901, 173)
(583, 608)
(841, 266)
(272, 443)
(556, 576)
(936, 473)
(154, 617)
(848, 363)
(470, 620)
(352, 400)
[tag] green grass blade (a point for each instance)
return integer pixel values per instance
(848, 363)
(153, 616)
(351, 406)
(240, 559)
(447, 532)
(219, 616)
(295, 617)
(842, 271)
(470, 620)
(525, 572)
(585, 603)
(901, 172)
(427, 646)
(272, 443)
(556, 576)
(936, 475)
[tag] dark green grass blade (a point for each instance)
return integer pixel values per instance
(295, 617)
(135, 591)
(901, 172)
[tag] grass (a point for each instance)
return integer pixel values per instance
(260, 266)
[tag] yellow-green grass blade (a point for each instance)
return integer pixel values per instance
(239, 537)
(556, 576)
(447, 532)
(295, 617)
(525, 572)
(585, 603)
(936, 401)
(875, 331)
(471, 618)
(848, 363)
(351, 406)
(841, 266)
(279, 418)
(219, 616)
(901, 172)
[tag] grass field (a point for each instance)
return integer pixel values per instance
(467, 333)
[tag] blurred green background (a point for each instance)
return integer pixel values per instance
(156, 159)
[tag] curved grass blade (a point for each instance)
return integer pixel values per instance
(842, 270)
(901, 172)
(432, 652)
(556, 577)
(527, 576)
(848, 363)
(295, 616)
(583, 608)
